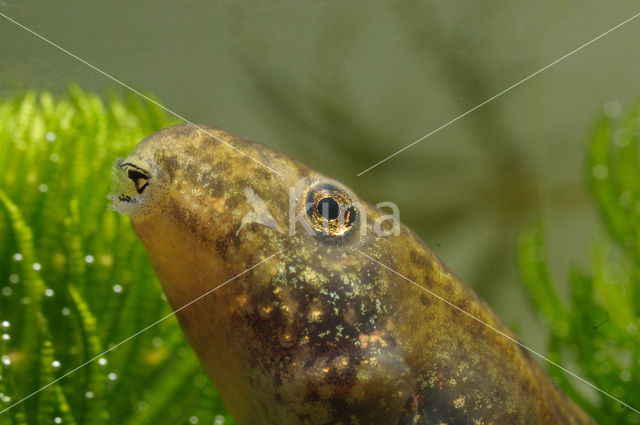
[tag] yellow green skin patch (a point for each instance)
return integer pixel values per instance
(319, 334)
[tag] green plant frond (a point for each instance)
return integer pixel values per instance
(601, 342)
(93, 285)
(535, 274)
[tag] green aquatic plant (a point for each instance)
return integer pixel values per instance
(594, 326)
(74, 279)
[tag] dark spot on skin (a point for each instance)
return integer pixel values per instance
(417, 259)
(169, 164)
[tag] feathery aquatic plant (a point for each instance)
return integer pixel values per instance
(74, 279)
(594, 330)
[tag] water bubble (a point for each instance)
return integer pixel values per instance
(102, 361)
(612, 108)
(14, 278)
(37, 266)
(625, 199)
(6, 291)
(200, 381)
(17, 256)
(89, 259)
(106, 260)
(112, 376)
(48, 292)
(600, 171)
(622, 137)
(43, 188)
(625, 375)
(193, 420)
(117, 288)
(89, 394)
(54, 157)
(56, 364)
(50, 136)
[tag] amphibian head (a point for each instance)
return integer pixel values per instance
(308, 327)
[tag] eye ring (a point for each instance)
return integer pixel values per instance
(331, 211)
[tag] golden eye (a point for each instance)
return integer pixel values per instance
(331, 211)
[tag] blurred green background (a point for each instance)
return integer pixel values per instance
(342, 85)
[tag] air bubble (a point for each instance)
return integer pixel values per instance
(17, 256)
(49, 292)
(5, 360)
(43, 188)
(6, 291)
(194, 420)
(89, 259)
(56, 364)
(14, 278)
(600, 171)
(37, 266)
(112, 376)
(612, 108)
(89, 394)
(102, 361)
(117, 289)
(625, 375)
(50, 136)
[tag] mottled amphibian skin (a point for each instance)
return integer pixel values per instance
(318, 333)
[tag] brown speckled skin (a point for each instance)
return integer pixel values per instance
(320, 334)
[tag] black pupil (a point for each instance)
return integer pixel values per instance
(137, 177)
(329, 208)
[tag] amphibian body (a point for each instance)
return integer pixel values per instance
(318, 333)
